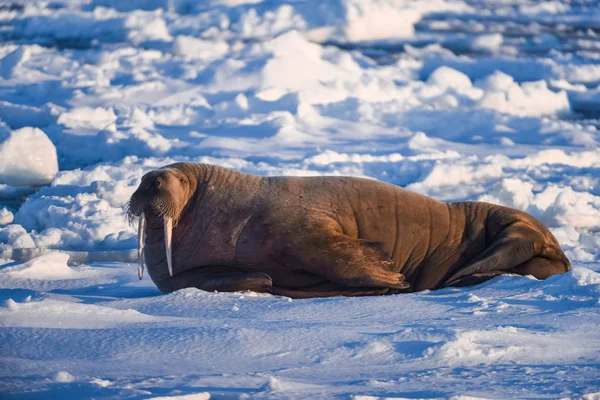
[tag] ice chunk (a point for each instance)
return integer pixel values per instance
(375, 21)
(12, 60)
(50, 266)
(60, 314)
(142, 29)
(63, 377)
(498, 81)
(488, 42)
(27, 158)
(16, 236)
(447, 77)
(6, 217)
(11, 305)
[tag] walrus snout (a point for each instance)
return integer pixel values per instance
(158, 194)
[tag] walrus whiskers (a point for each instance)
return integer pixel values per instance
(168, 224)
(141, 242)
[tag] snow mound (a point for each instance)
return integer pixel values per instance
(554, 205)
(51, 266)
(58, 314)
(503, 94)
(446, 77)
(27, 158)
(63, 377)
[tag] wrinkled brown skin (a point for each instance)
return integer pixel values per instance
(330, 236)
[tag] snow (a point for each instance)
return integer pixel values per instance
(493, 101)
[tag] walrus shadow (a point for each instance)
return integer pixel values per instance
(102, 292)
(112, 290)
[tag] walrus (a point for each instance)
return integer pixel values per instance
(217, 229)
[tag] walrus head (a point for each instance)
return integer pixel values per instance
(161, 197)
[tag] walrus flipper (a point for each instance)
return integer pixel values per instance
(328, 289)
(472, 280)
(517, 244)
(542, 267)
(349, 262)
(218, 279)
(253, 281)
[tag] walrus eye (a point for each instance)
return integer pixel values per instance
(183, 181)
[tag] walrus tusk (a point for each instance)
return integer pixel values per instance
(168, 235)
(141, 242)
